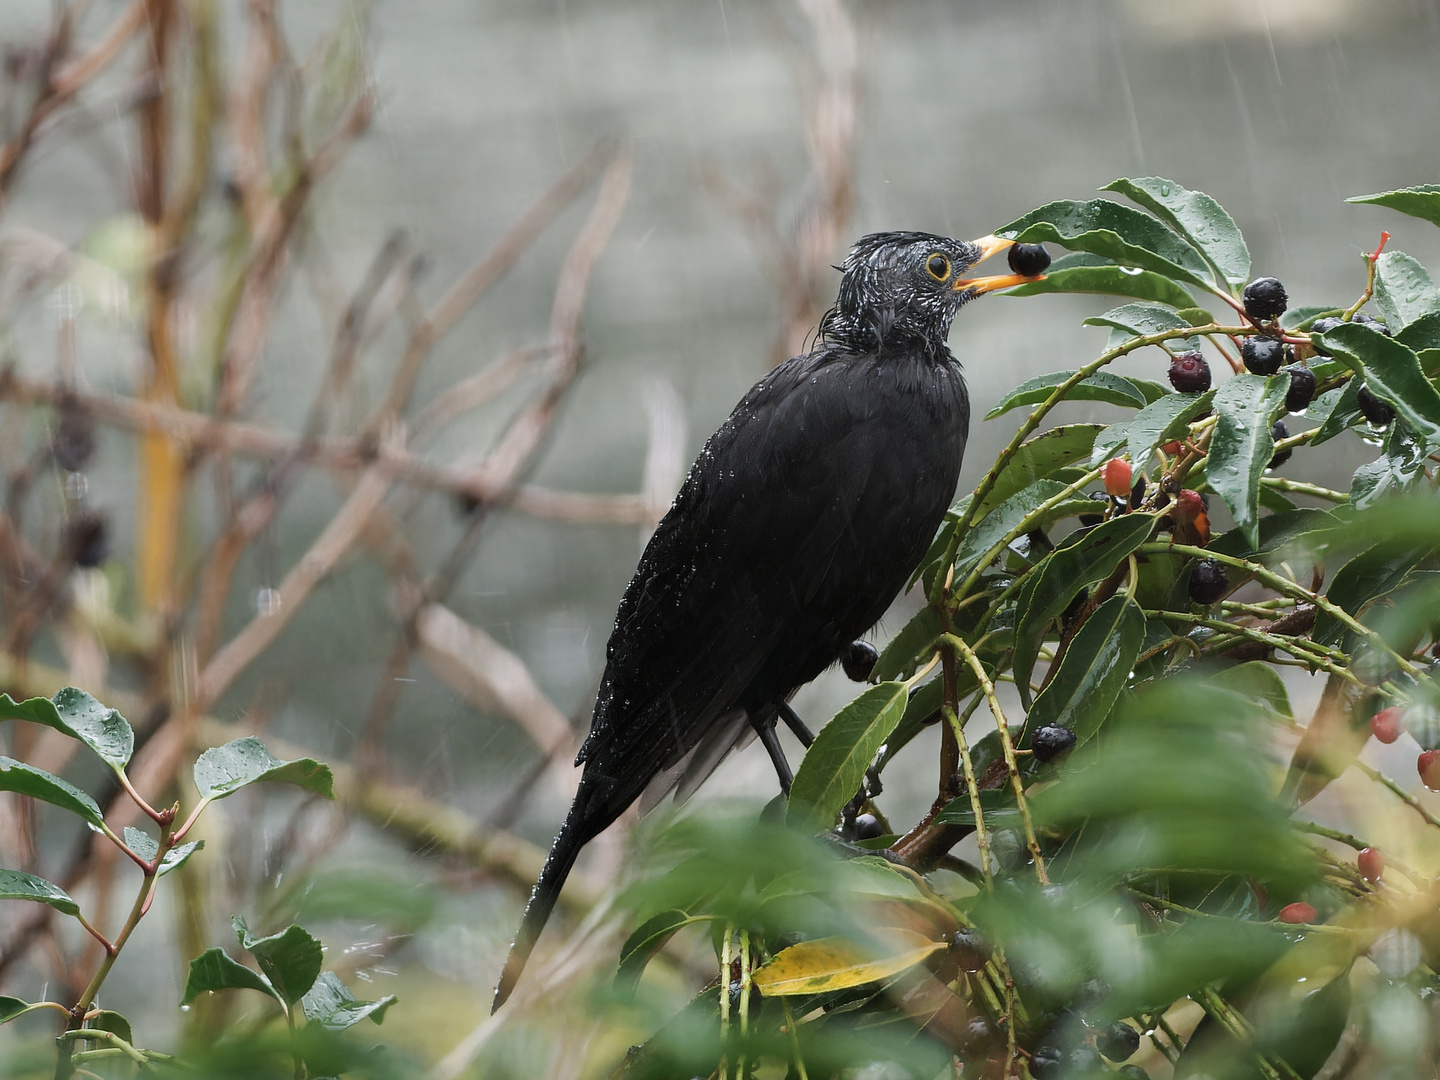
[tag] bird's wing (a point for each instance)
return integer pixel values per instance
(758, 546)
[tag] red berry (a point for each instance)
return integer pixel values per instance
(1298, 913)
(1189, 505)
(1428, 765)
(1170, 449)
(1117, 477)
(1371, 864)
(1387, 725)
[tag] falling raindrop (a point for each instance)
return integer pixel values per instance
(267, 601)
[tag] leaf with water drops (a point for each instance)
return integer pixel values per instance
(1195, 216)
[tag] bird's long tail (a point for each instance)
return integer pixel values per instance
(579, 828)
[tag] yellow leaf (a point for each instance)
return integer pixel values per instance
(816, 967)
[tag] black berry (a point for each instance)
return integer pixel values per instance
(858, 659)
(1084, 1061)
(867, 827)
(1370, 321)
(1118, 1042)
(1262, 355)
(1051, 741)
(88, 536)
(977, 1034)
(1028, 259)
(1279, 431)
(1377, 410)
(1324, 326)
(1208, 582)
(1189, 373)
(969, 950)
(1264, 298)
(74, 439)
(1047, 1061)
(1302, 389)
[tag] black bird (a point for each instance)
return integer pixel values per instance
(795, 528)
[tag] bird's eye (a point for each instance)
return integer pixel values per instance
(938, 267)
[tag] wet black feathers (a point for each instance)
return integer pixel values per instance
(794, 530)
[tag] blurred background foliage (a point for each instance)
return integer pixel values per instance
(351, 349)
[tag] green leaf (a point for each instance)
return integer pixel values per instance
(1081, 272)
(1242, 446)
(11, 1007)
(1403, 291)
(997, 806)
(75, 713)
(910, 648)
(1195, 216)
(331, 1005)
(1102, 386)
(1339, 414)
(1141, 320)
(1392, 372)
(113, 1022)
(642, 945)
(1421, 334)
(1400, 469)
(1040, 457)
(38, 784)
(215, 969)
(1363, 580)
(924, 702)
(1117, 232)
(1093, 671)
(144, 845)
(290, 960)
(1085, 560)
(993, 527)
(18, 885)
(833, 767)
(1164, 419)
(1422, 201)
(224, 770)
(1259, 682)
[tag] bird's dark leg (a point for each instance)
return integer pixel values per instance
(795, 724)
(764, 724)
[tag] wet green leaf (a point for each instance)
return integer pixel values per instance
(214, 969)
(113, 1022)
(1242, 446)
(77, 714)
(1422, 201)
(331, 1005)
(1081, 272)
(1258, 682)
(1142, 320)
(1040, 457)
(1087, 559)
(38, 784)
(1404, 292)
(925, 701)
(11, 1007)
(1195, 216)
(1391, 371)
(911, 647)
(290, 960)
(1115, 231)
(1341, 413)
(1093, 671)
(224, 770)
(1159, 422)
(18, 885)
(144, 845)
(642, 945)
(994, 526)
(1422, 334)
(833, 767)
(1102, 386)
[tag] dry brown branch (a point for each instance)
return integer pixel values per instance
(473, 284)
(488, 675)
(328, 548)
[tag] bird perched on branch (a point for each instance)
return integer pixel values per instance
(795, 529)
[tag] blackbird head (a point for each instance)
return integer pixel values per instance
(903, 286)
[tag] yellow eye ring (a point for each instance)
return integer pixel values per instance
(938, 267)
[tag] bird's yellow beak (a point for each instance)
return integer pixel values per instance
(990, 245)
